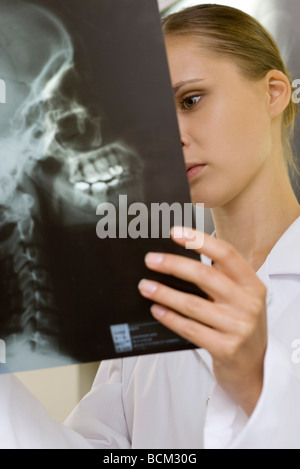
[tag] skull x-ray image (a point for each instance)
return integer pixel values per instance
(88, 116)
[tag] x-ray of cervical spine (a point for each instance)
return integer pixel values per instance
(54, 165)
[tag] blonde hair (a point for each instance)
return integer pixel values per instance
(231, 33)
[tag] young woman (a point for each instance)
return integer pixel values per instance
(240, 388)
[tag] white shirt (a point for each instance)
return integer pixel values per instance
(171, 400)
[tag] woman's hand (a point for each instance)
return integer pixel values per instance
(230, 325)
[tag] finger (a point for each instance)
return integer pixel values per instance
(222, 254)
(213, 282)
(201, 310)
(195, 332)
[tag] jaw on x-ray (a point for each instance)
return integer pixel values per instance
(54, 165)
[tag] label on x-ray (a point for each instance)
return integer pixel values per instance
(141, 337)
(121, 338)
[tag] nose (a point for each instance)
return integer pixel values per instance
(184, 140)
(184, 134)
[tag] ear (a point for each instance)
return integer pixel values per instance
(279, 90)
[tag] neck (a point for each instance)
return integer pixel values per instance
(256, 219)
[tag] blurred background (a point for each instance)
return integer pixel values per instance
(59, 389)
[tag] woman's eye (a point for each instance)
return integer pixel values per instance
(190, 102)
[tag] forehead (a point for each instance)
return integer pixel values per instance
(190, 57)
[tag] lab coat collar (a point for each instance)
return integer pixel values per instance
(285, 255)
(284, 258)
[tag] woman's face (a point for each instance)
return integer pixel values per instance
(224, 122)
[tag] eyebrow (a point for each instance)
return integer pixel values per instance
(179, 85)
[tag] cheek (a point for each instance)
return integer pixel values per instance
(242, 132)
(236, 140)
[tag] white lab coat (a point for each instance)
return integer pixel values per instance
(171, 400)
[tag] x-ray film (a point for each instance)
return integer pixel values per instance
(87, 120)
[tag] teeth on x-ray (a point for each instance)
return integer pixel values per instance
(116, 170)
(82, 186)
(94, 174)
(103, 165)
(113, 183)
(98, 188)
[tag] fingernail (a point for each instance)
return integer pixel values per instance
(154, 258)
(183, 232)
(158, 311)
(147, 287)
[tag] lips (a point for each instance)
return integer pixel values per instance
(193, 169)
